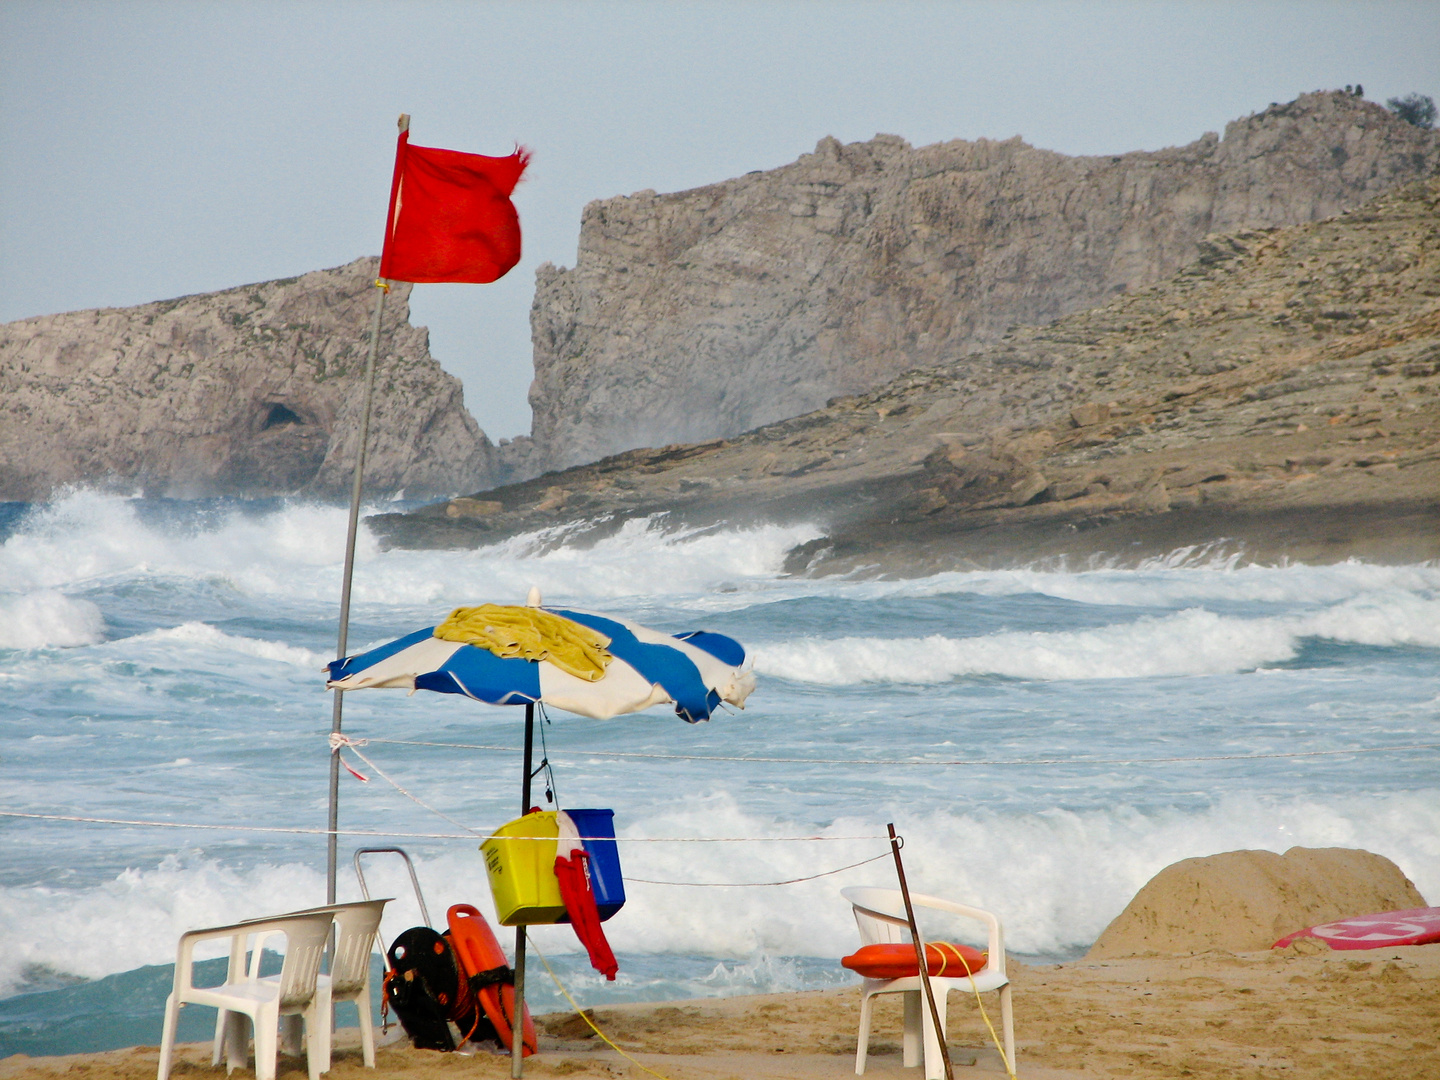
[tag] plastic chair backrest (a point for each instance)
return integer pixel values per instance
(872, 907)
(305, 938)
(355, 927)
(880, 916)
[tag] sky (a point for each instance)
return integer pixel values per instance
(152, 150)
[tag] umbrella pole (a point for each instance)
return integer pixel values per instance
(332, 841)
(517, 1027)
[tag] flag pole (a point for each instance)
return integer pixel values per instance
(333, 837)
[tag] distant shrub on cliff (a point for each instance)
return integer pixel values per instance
(1417, 109)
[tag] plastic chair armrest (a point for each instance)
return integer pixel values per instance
(996, 936)
(238, 934)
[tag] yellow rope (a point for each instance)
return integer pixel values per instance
(581, 1013)
(1000, 1049)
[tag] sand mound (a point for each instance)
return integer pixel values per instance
(1241, 901)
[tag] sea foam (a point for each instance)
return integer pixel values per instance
(48, 618)
(1056, 878)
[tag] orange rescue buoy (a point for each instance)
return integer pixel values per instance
(482, 963)
(897, 961)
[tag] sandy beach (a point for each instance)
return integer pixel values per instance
(1213, 1014)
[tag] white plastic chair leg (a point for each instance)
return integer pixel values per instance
(167, 1037)
(1007, 1024)
(237, 1041)
(217, 1050)
(934, 1060)
(267, 1024)
(320, 1032)
(292, 1034)
(912, 1040)
(862, 1039)
(317, 1038)
(367, 1028)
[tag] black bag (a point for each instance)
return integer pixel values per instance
(424, 988)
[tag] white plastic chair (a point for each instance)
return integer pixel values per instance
(245, 994)
(880, 917)
(356, 925)
(349, 980)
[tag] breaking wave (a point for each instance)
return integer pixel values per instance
(1194, 641)
(49, 619)
(1078, 872)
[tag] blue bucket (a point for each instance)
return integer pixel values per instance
(605, 879)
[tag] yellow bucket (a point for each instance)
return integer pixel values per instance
(522, 871)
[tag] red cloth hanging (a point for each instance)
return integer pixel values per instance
(574, 877)
(451, 218)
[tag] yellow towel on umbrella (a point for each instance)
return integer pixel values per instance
(510, 631)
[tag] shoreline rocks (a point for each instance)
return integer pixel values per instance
(249, 391)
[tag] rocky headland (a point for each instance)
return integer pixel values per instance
(250, 391)
(1277, 396)
(710, 312)
(861, 313)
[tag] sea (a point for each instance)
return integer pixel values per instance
(1043, 739)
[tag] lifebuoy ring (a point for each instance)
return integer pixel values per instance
(1412, 926)
(483, 964)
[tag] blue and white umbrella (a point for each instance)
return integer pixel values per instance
(696, 670)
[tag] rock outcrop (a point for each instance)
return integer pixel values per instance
(710, 312)
(255, 390)
(1244, 901)
(1277, 396)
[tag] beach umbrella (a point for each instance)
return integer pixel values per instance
(594, 665)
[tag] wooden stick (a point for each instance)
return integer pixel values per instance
(923, 968)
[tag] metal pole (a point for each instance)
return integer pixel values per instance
(332, 841)
(923, 970)
(529, 757)
(517, 1026)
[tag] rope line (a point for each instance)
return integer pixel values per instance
(758, 884)
(230, 827)
(426, 835)
(339, 742)
(581, 1013)
(940, 761)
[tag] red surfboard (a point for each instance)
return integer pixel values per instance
(1413, 926)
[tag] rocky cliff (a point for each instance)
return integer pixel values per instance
(710, 312)
(255, 390)
(1277, 398)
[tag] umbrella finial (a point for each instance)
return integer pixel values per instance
(533, 599)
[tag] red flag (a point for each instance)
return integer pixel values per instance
(451, 218)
